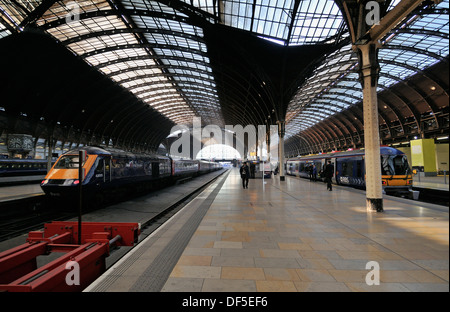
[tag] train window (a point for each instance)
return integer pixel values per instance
(394, 164)
(99, 169)
(344, 169)
(347, 169)
(68, 162)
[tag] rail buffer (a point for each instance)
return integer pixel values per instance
(78, 266)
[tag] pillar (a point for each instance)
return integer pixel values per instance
(281, 132)
(368, 71)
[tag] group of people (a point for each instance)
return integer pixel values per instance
(327, 173)
(312, 171)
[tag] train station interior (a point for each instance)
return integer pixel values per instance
(168, 99)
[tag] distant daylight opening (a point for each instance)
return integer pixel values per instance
(218, 151)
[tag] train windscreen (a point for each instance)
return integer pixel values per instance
(395, 165)
(68, 162)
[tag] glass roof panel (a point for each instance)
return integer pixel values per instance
(62, 9)
(14, 12)
(110, 56)
(3, 31)
(316, 21)
(311, 22)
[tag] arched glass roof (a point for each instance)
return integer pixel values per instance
(157, 49)
(411, 47)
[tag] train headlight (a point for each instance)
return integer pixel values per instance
(70, 182)
(44, 182)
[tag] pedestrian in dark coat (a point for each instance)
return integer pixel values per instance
(245, 174)
(328, 173)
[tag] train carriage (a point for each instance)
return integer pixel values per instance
(349, 169)
(17, 171)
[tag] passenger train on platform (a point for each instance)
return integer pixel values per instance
(17, 171)
(349, 169)
(109, 173)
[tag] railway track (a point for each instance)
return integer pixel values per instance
(16, 226)
(21, 216)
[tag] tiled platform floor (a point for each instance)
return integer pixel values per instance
(20, 191)
(297, 236)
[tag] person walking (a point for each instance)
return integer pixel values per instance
(328, 173)
(245, 174)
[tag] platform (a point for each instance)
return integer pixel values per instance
(440, 183)
(9, 193)
(288, 236)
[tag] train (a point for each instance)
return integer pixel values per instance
(349, 169)
(110, 172)
(16, 171)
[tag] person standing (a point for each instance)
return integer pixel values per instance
(245, 174)
(314, 173)
(328, 173)
(310, 172)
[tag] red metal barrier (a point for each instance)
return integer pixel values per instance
(78, 266)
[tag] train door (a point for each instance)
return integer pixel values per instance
(103, 169)
(334, 163)
(319, 168)
(107, 169)
(340, 170)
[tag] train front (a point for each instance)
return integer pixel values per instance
(63, 178)
(396, 174)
